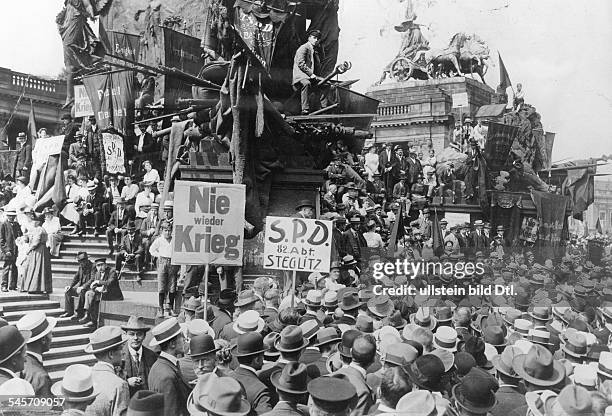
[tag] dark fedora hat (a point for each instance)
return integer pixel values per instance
(291, 339)
(249, 343)
(395, 320)
(327, 336)
(246, 297)
(538, 367)
(11, 341)
(476, 392)
(200, 345)
(226, 296)
(350, 301)
(381, 306)
(426, 372)
(146, 403)
(293, 378)
(304, 203)
(494, 335)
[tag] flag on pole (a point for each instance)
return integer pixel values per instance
(598, 227)
(437, 236)
(504, 78)
(31, 133)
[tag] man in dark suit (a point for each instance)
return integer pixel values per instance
(363, 353)
(79, 287)
(131, 249)
(388, 161)
(224, 310)
(118, 220)
(480, 241)
(137, 359)
(311, 353)
(291, 386)
(326, 339)
(105, 286)
(41, 327)
(165, 376)
(413, 168)
(249, 353)
(24, 155)
(355, 243)
(9, 231)
(91, 211)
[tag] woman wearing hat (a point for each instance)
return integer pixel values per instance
(37, 274)
(371, 163)
(54, 231)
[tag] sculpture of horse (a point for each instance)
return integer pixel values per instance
(449, 55)
(474, 56)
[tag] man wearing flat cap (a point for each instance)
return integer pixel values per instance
(332, 396)
(304, 71)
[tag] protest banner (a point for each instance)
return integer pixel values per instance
(45, 148)
(82, 104)
(113, 153)
(208, 223)
(297, 244)
(112, 98)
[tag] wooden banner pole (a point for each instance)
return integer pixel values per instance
(293, 290)
(205, 303)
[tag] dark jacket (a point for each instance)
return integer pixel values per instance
(166, 378)
(365, 398)
(131, 247)
(257, 393)
(288, 409)
(354, 244)
(142, 370)
(385, 161)
(114, 222)
(310, 356)
(108, 279)
(37, 376)
(8, 233)
(413, 170)
(508, 399)
(24, 157)
(84, 276)
(222, 318)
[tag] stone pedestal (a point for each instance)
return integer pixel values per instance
(420, 113)
(288, 187)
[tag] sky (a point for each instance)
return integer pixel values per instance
(558, 49)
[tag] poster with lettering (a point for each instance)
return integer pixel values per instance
(112, 98)
(208, 223)
(113, 153)
(297, 244)
(82, 105)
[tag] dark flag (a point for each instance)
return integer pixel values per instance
(438, 237)
(598, 227)
(550, 210)
(504, 78)
(31, 131)
(396, 233)
(580, 185)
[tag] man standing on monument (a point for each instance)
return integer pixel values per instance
(303, 70)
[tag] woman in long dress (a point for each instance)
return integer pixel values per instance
(38, 263)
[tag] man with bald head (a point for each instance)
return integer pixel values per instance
(461, 321)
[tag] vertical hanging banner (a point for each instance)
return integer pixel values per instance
(125, 45)
(297, 244)
(82, 104)
(208, 226)
(112, 98)
(551, 215)
(113, 153)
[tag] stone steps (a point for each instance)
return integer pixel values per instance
(148, 283)
(69, 337)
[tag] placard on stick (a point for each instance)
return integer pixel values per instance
(297, 244)
(208, 226)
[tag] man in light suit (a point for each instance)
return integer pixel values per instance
(304, 70)
(363, 353)
(106, 344)
(165, 376)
